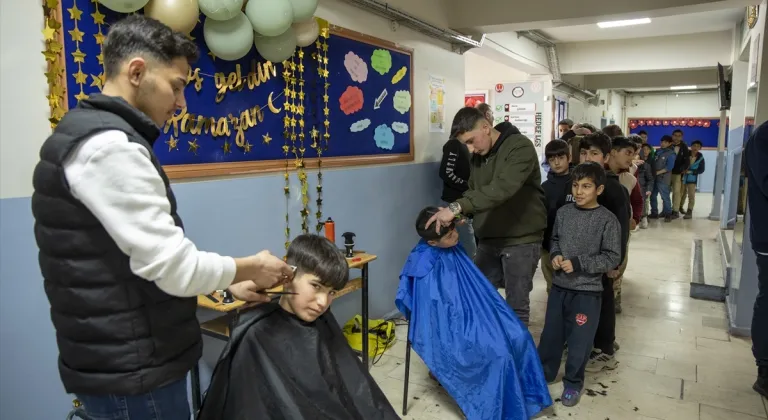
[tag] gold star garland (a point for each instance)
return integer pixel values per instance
(301, 173)
(97, 80)
(54, 55)
(321, 144)
(76, 35)
(288, 109)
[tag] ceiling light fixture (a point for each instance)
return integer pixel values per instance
(620, 23)
(689, 87)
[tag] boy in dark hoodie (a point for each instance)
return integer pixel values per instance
(691, 178)
(662, 168)
(597, 148)
(558, 183)
(645, 178)
(454, 171)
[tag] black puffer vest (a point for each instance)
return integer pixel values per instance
(117, 333)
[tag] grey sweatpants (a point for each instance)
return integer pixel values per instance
(512, 268)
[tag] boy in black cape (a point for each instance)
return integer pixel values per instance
(289, 359)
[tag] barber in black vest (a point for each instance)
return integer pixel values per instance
(120, 275)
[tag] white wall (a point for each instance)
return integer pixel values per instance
(583, 112)
(646, 54)
(672, 105)
(482, 73)
(24, 109)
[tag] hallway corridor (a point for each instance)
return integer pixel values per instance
(676, 362)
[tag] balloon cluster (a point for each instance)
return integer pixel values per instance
(275, 27)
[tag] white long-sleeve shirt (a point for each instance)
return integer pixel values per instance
(116, 180)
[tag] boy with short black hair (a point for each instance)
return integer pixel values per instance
(597, 148)
(644, 176)
(558, 184)
(662, 169)
(586, 243)
(297, 343)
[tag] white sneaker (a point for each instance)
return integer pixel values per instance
(599, 361)
(644, 223)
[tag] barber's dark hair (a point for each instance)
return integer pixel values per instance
(598, 140)
(465, 120)
(589, 170)
(621, 143)
(641, 132)
(677, 131)
(666, 137)
(589, 126)
(613, 130)
(557, 148)
(567, 122)
(138, 35)
(314, 254)
(429, 233)
(697, 142)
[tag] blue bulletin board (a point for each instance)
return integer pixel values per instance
(705, 130)
(347, 97)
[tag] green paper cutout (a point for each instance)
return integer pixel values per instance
(381, 61)
(402, 101)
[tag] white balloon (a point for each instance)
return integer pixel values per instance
(303, 9)
(276, 48)
(306, 32)
(124, 6)
(221, 9)
(269, 17)
(229, 39)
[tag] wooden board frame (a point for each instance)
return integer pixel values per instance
(203, 170)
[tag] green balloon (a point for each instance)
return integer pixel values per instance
(303, 9)
(229, 39)
(124, 6)
(269, 17)
(220, 9)
(276, 48)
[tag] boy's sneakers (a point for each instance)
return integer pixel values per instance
(616, 347)
(653, 216)
(761, 384)
(570, 397)
(599, 361)
(688, 215)
(674, 215)
(644, 223)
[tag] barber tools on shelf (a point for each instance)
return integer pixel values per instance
(349, 244)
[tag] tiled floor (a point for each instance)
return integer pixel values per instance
(676, 361)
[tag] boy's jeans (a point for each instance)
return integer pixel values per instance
(166, 403)
(661, 187)
(512, 268)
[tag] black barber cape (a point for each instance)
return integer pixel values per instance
(276, 366)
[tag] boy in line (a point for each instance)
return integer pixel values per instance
(586, 242)
(645, 177)
(454, 171)
(557, 185)
(662, 168)
(597, 148)
(691, 178)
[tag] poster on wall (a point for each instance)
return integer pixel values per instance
(436, 104)
(474, 98)
(525, 106)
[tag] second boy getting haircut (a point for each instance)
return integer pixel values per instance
(314, 254)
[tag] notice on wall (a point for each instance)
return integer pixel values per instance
(436, 104)
(538, 131)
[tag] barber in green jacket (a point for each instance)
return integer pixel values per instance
(507, 201)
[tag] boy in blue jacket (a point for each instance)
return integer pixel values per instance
(662, 169)
(691, 178)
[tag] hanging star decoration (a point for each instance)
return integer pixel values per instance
(193, 146)
(53, 54)
(247, 147)
(173, 144)
(97, 81)
(76, 35)
(266, 138)
(227, 147)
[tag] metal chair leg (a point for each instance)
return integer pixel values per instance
(407, 370)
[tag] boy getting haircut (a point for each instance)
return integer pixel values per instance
(289, 359)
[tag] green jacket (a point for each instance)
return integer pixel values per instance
(505, 194)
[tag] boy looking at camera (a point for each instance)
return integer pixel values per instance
(558, 183)
(585, 244)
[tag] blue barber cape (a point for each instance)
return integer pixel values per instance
(469, 338)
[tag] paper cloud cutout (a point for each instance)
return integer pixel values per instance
(402, 101)
(400, 127)
(384, 137)
(351, 100)
(360, 125)
(356, 67)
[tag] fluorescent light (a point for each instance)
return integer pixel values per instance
(619, 23)
(689, 87)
